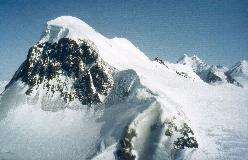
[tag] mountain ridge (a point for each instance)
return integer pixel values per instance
(210, 74)
(62, 69)
(80, 95)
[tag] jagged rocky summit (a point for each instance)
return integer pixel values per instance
(214, 74)
(72, 69)
(67, 62)
(239, 72)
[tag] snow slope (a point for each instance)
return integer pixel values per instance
(218, 116)
(2, 85)
(240, 71)
(158, 100)
(194, 62)
(118, 52)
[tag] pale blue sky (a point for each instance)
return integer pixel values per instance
(215, 30)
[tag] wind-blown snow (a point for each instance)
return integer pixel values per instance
(67, 27)
(218, 115)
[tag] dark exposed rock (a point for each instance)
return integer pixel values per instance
(185, 135)
(87, 76)
(185, 75)
(125, 147)
(231, 80)
(183, 142)
(187, 139)
(157, 59)
(212, 78)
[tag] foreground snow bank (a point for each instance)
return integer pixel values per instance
(28, 132)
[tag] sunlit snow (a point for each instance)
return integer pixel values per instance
(218, 114)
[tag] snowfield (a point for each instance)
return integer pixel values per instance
(159, 101)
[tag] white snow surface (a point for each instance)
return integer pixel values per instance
(240, 71)
(194, 62)
(219, 71)
(180, 68)
(118, 52)
(218, 115)
(3, 83)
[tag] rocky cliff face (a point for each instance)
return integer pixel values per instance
(72, 69)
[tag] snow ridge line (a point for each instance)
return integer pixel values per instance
(154, 130)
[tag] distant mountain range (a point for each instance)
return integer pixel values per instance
(214, 74)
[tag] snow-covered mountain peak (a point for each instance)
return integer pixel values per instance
(244, 63)
(240, 69)
(74, 62)
(70, 22)
(210, 74)
(196, 58)
(193, 61)
(71, 70)
(185, 59)
(118, 52)
(241, 66)
(67, 27)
